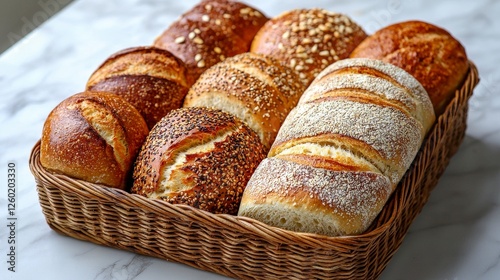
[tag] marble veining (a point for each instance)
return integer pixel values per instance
(127, 271)
(456, 236)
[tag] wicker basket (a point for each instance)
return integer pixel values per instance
(242, 247)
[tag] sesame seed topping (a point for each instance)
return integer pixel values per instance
(198, 40)
(200, 63)
(245, 10)
(205, 18)
(180, 40)
(324, 53)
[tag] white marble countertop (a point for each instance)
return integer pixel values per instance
(456, 237)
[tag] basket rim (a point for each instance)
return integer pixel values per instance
(242, 224)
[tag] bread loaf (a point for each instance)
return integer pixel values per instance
(151, 79)
(341, 152)
(429, 53)
(93, 136)
(258, 90)
(210, 32)
(200, 157)
(308, 40)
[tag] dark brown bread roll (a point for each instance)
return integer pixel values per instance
(431, 54)
(93, 136)
(258, 90)
(151, 79)
(200, 157)
(342, 151)
(308, 40)
(210, 32)
(240, 18)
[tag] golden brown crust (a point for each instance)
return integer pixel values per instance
(200, 157)
(151, 79)
(199, 45)
(241, 19)
(431, 54)
(258, 90)
(210, 32)
(94, 137)
(308, 40)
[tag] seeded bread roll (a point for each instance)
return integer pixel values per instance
(210, 32)
(200, 157)
(93, 136)
(151, 79)
(342, 151)
(431, 54)
(241, 19)
(308, 40)
(257, 89)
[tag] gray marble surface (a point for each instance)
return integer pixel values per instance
(456, 236)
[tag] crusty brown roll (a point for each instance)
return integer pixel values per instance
(431, 54)
(200, 157)
(93, 136)
(210, 32)
(308, 40)
(342, 151)
(151, 79)
(240, 18)
(258, 90)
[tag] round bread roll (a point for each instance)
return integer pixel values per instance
(241, 19)
(93, 136)
(308, 40)
(151, 79)
(429, 53)
(342, 150)
(258, 90)
(210, 32)
(200, 157)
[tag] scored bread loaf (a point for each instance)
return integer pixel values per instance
(308, 40)
(151, 79)
(342, 151)
(93, 136)
(429, 53)
(210, 32)
(200, 157)
(258, 90)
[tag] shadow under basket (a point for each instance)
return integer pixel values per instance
(241, 247)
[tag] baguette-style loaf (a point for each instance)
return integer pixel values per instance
(210, 32)
(429, 53)
(200, 157)
(257, 89)
(151, 79)
(342, 151)
(308, 40)
(93, 136)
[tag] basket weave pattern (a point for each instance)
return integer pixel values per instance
(242, 247)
